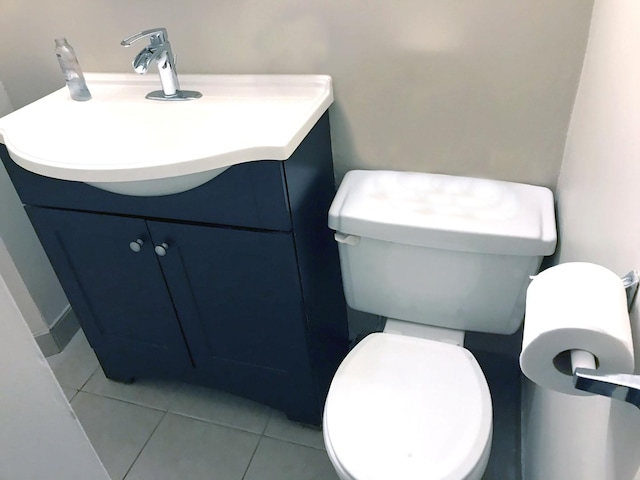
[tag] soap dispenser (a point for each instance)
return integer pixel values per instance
(72, 71)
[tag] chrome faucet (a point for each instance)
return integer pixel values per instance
(159, 50)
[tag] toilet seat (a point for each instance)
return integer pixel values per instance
(408, 408)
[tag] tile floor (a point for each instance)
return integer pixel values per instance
(173, 431)
(504, 378)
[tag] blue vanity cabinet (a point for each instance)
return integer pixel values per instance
(119, 294)
(238, 296)
(244, 292)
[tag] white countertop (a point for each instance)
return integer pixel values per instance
(121, 136)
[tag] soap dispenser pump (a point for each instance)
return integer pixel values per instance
(72, 71)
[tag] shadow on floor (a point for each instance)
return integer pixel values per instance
(504, 378)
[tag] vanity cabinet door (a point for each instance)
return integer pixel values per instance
(110, 273)
(238, 296)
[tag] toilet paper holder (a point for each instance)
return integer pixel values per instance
(619, 386)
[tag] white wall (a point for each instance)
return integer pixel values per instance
(570, 438)
(20, 293)
(27, 254)
(40, 436)
(23, 262)
(479, 88)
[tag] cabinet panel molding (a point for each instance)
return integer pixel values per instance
(235, 284)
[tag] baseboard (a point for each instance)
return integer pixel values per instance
(60, 333)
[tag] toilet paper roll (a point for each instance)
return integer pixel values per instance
(575, 306)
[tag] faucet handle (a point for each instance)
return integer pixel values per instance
(157, 36)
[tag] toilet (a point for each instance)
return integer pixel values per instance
(436, 255)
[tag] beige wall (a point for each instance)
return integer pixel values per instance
(591, 438)
(464, 87)
(19, 239)
(23, 263)
(20, 293)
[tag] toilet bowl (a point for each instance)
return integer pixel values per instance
(408, 408)
(439, 255)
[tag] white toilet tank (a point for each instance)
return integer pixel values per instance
(452, 252)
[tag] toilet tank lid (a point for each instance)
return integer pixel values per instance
(447, 212)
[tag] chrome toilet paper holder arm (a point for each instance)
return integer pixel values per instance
(615, 385)
(619, 386)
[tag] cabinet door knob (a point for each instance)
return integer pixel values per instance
(136, 246)
(161, 250)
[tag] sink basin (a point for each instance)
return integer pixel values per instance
(121, 142)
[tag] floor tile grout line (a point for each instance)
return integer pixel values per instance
(130, 402)
(262, 433)
(266, 425)
(90, 377)
(178, 387)
(267, 435)
(74, 386)
(171, 399)
(292, 442)
(69, 360)
(73, 396)
(144, 446)
(246, 470)
(186, 415)
(240, 429)
(123, 401)
(213, 422)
